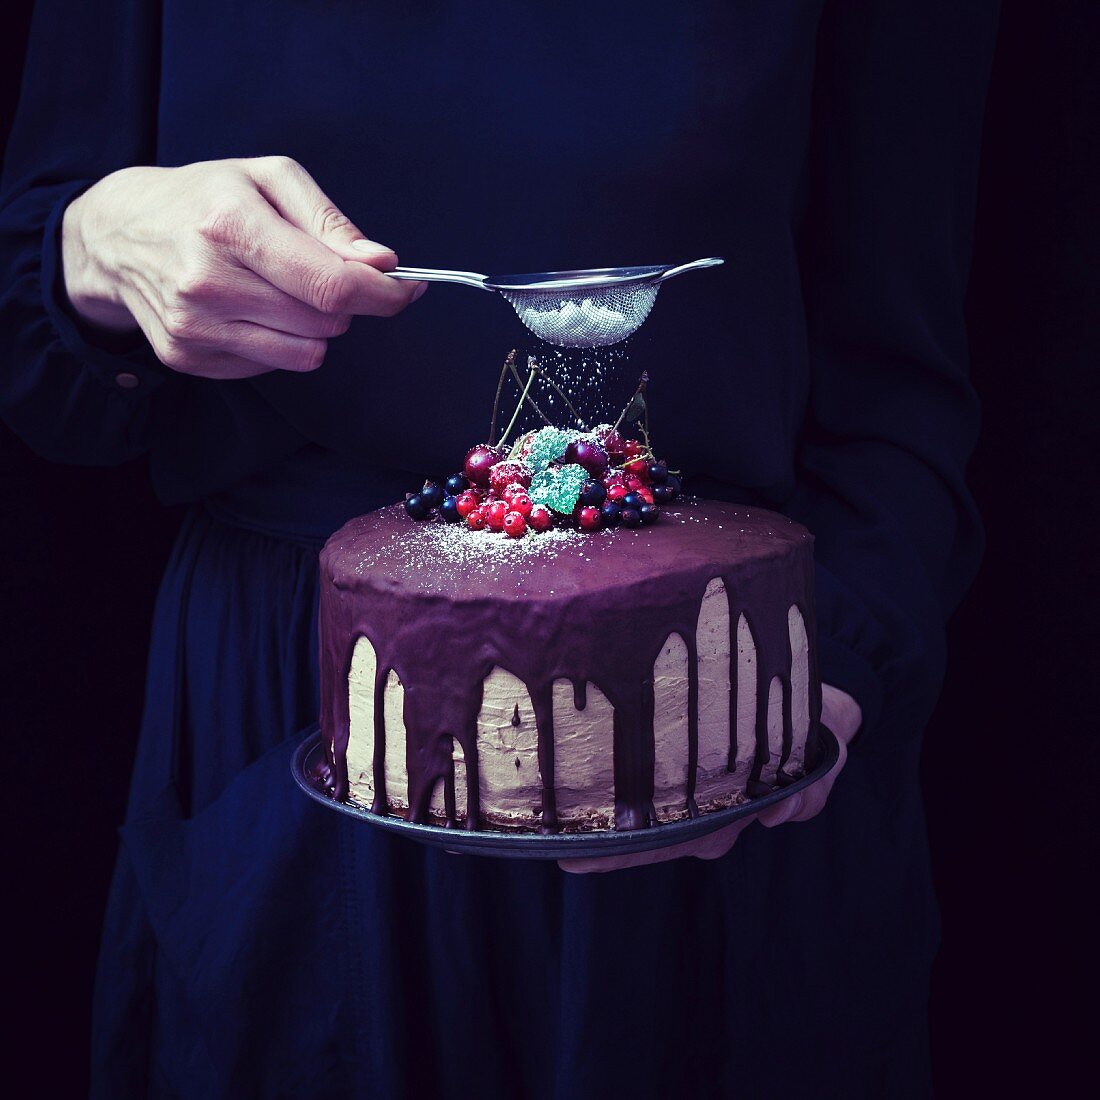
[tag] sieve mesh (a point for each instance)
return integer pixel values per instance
(586, 318)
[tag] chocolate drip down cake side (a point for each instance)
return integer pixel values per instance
(572, 679)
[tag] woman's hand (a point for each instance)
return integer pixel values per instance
(231, 268)
(840, 712)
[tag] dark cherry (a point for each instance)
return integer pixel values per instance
(631, 517)
(448, 509)
(633, 500)
(432, 494)
(658, 473)
(649, 513)
(416, 507)
(663, 494)
(456, 484)
(612, 514)
(589, 454)
(479, 461)
(593, 493)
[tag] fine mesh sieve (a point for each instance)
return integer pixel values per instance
(573, 309)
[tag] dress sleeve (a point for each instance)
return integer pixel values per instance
(87, 108)
(898, 102)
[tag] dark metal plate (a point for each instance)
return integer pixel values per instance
(507, 845)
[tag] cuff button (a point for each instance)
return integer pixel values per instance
(127, 380)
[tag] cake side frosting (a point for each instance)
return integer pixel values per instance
(480, 661)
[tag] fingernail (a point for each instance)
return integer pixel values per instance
(363, 245)
(419, 292)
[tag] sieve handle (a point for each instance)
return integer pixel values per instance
(436, 275)
(710, 261)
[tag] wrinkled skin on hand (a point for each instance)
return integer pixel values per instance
(230, 268)
(840, 712)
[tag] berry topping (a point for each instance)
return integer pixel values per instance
(432, 494)
(494, 515)
(540, 518)
(514, 524)
(449, 509)
(479, 461)
(416, 507)
(589, 454)
(593, 493)
(589, 519)
(504, 474)
(611, 514)
(456, 484)
(649, 513)
(631, 517)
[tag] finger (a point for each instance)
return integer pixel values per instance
(296, 196)
(184, 358)
(302, 267)
(783, 811)
(263, 304)
(268, 347)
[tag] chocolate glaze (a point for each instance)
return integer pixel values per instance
(595, 608)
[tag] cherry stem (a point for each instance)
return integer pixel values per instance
(532, 364)
(578, 419)
(509, 363)
(640, 390)
(532, 371)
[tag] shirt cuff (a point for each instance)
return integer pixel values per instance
(124, 363)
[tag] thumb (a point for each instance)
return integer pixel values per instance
(294, 193)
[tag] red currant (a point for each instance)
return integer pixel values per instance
(494, 515)
(466, 503)
(475, 521)
(522, 503)
(617, 491)
(514, 524)
(634, 483)
(639, 468)
(540, 518)
(589, 518)
(645, 493)
(632, 448)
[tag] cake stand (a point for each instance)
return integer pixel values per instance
(519, 845)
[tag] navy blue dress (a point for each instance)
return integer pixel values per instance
(257, 945)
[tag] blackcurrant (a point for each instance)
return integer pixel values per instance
(416, 507)
(663, 494)
(593, 494)
(432, 494)
(612, 514)
(456, 484)
(631, 517)
(649, 513)
(658, 473)
(449, 509)
(633, 500)
(675, 484)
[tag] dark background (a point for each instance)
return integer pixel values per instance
(1011, 758)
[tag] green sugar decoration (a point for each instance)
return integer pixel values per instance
(558, 488)
(548, 445)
